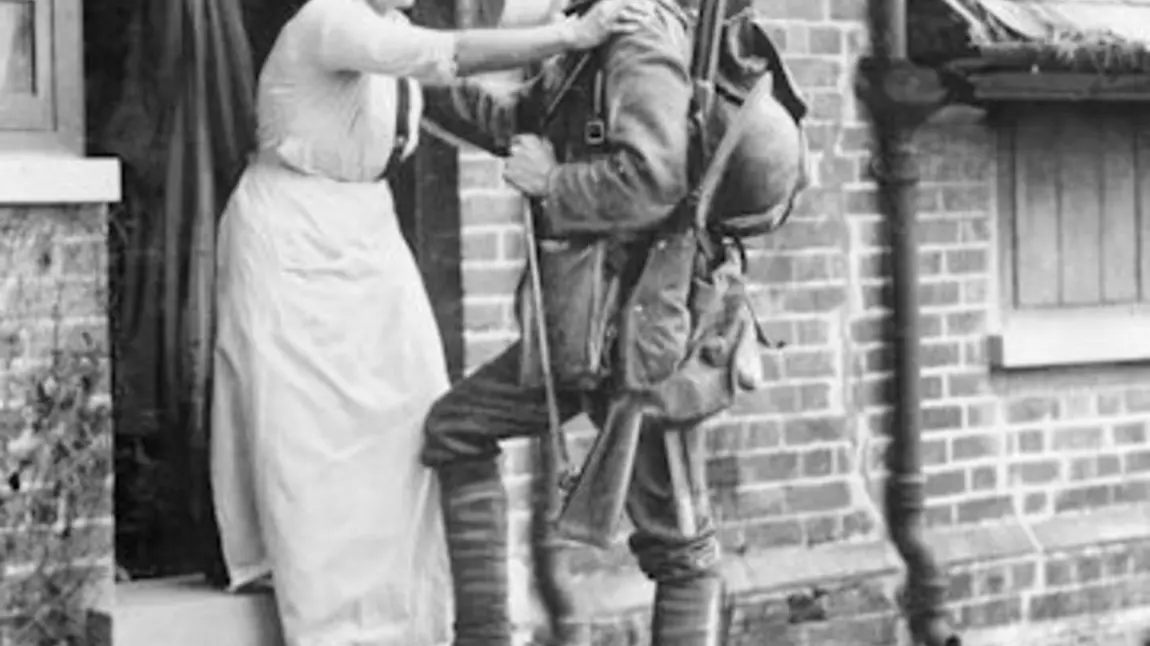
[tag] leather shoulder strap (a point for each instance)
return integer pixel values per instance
(402, 126)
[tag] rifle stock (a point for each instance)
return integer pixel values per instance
(595, 503)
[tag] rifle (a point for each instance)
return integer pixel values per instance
(551, 469)
(597, 497)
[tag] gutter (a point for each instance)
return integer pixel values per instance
(900, 97)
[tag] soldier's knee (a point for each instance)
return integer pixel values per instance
(453, 433)
(663, 562)
(438, 443)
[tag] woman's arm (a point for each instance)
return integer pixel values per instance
(486, 50)
(353, 37)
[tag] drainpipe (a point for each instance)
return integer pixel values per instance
(899, 98)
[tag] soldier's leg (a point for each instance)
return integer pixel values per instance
(683, 564)
(461, 443)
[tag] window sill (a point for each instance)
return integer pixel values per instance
(29, 178)
(1071, 337)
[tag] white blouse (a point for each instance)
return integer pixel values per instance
(327, 94)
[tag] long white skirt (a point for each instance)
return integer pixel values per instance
(327, 359)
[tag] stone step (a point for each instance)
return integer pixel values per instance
(186, 611)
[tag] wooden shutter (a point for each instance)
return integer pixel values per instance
(1075, 194)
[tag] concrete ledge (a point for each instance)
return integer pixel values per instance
(1123, 628)
(764, 573)
(51, 179)
(189, 612)
(1097, 528)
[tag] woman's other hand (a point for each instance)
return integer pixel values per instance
(607, 18)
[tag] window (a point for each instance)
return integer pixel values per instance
(41, 104)
(1074, 233)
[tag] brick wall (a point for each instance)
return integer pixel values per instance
(52, 295)
(797, 467)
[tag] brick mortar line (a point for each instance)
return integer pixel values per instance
(490, 227)
(488, 191)
(491, 263)
(490, 336)
(23, 569)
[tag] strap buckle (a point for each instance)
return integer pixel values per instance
(595, 132)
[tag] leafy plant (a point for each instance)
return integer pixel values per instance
(55, 499)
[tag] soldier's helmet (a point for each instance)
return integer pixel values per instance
(769, 165)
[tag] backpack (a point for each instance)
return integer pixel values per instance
(691, 298)
(689, 339)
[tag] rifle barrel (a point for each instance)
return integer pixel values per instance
(887, 24)
(705, 56)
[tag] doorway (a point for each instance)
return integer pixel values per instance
(163, 521)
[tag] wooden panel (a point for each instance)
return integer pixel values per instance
(1143, 138)
(1119, 214)
(1036, 251)
(1075, 206)
(67, 101)
(430, 219)
(30, 109)
(1080, 217)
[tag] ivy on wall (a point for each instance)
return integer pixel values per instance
(55, 427)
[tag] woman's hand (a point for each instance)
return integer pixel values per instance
(607, 18)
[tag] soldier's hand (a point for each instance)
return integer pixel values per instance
(531, 161)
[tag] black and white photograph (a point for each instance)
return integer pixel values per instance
(575, 323)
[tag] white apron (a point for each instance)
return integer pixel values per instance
(328, 355)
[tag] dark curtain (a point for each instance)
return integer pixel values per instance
(175, 101)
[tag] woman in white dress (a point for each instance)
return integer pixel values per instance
(327, 355)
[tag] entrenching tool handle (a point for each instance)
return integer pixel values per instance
(681, 484)
(708, 32)
(596, 500)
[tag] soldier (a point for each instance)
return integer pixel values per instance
(610, 162)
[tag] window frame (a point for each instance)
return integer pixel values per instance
(51, 123)
(1025, 338)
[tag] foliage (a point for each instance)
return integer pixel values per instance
(1085, 51)
(950, 29)
(55, 500)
